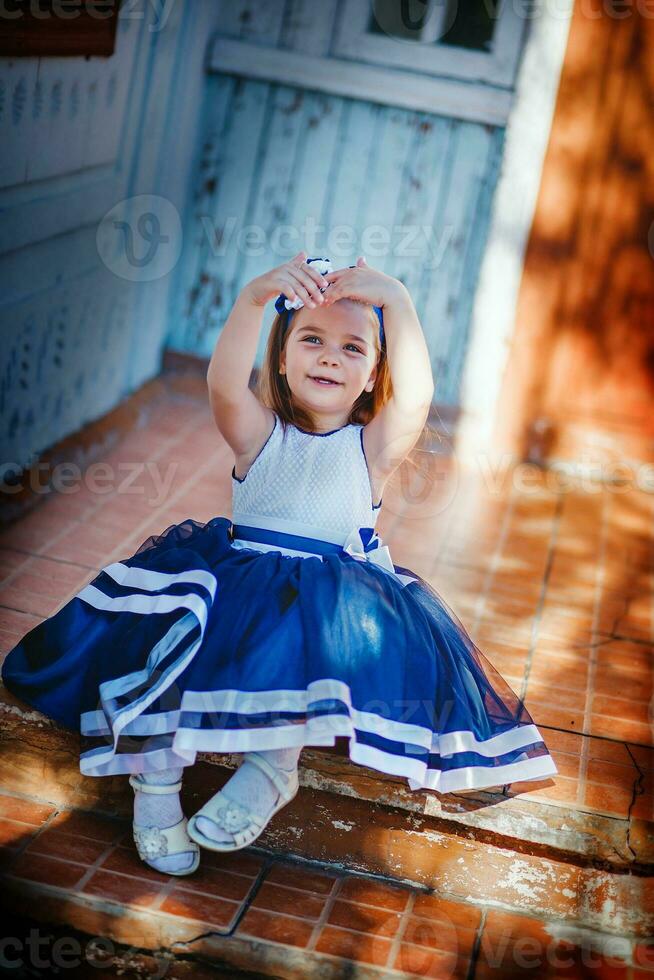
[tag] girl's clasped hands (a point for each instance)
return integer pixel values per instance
(298, 280)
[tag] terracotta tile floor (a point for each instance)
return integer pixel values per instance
(553, 580)
(328, 916)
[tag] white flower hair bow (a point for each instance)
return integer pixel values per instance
(323, 266)
(284, 305)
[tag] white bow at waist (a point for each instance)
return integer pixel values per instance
(364, 545)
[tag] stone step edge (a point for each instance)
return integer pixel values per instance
(146, 934)
(568, 832)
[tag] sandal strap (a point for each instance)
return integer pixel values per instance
(161, 789)
(215, 807)
(242, 824)
(169, 841)
(284, 781)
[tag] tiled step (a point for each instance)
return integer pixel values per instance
(255, 912)
(492, 848)
(523, 818)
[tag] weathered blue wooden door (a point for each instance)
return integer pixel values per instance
(325, 129)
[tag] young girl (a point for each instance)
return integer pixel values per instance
(290, 625)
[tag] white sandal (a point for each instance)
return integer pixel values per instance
(237, 820)
(157, 842)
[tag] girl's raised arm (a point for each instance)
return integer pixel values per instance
(233, 356)
(394, 431)
(239, 414)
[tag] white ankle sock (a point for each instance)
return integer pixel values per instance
(250, 787)
(161, 810)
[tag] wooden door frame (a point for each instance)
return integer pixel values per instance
(492, 322)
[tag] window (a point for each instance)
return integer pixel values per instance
(475, 40)
(36, 28)
(470, 25)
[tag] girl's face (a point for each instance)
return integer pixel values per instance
(336, 343)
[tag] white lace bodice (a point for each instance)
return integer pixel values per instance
(307, 483)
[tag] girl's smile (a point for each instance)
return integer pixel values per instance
(321, 380)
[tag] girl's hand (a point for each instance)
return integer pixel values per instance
(364, 284)
(294, 279)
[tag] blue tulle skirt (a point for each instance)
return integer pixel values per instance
(198, 642)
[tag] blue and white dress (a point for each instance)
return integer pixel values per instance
(289, 625)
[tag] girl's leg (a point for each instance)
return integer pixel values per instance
(162, 810)
(250, 787)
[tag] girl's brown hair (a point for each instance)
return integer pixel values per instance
(273, 390)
